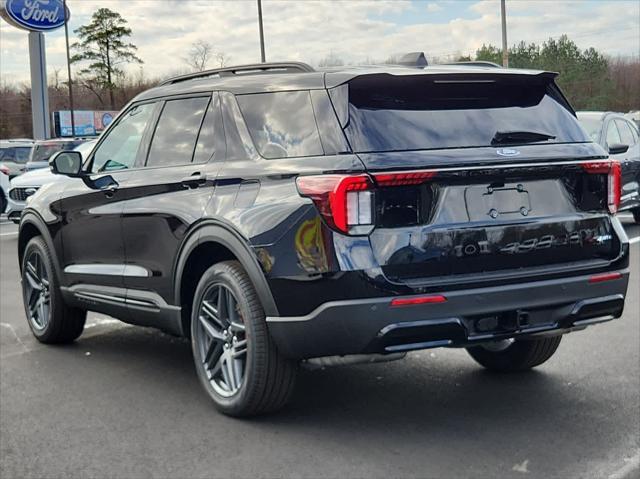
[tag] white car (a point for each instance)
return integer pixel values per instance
(4, 187)
(28, 183)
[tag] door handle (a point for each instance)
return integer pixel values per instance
(110, 190)
(194, 180)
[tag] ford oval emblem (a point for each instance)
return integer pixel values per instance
(507, 152)
(35, 15)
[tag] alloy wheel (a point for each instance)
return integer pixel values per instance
(221, 340)
(37, 291)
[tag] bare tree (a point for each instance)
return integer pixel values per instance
(223, 59)
(199, 55)
(331, 60)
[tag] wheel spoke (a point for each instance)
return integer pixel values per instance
(223, 312)
(212, 352)
(224, 366)
(212, 313)
(239, 348)
(210, 329)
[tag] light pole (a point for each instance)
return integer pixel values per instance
(66, 37)
(505, 51)
(262, 55)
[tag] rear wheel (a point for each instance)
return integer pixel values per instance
(235, 358)
(50, 319)
(515, 354)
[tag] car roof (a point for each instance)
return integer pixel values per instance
(597, 115)
(14, 143)
(262, 82)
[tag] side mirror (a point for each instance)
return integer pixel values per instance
(68, 163)
(617, 148)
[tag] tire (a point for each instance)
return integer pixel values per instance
(519, 355)
(50, 319)
(636, 215)
(241, 370)
(3, 201)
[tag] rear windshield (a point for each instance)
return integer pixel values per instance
(389, 113)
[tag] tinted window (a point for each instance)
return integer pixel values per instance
(389, 113)
(626, 135)
(120, 148)
(175, 137)
(238, 141)
(281, 124)
(613, 136)
(210, 133)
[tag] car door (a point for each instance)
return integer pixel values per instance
(166, 195)
(91, 214)
(630, 161)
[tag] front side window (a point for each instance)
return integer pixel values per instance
(613, 136)
(120, 148)
(281, 124)
(175, 137)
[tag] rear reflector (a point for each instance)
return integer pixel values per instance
(418, 300)
(599, 278)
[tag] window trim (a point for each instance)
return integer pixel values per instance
(163, 102)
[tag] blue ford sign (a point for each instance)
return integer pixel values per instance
(35, 15)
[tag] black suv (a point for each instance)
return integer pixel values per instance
(275, 214)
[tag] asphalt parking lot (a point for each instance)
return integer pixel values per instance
(125, 402)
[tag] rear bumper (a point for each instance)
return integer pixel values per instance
(467, 317)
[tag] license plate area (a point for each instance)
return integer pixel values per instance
(507, 201)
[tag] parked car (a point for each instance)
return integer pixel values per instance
(4, 187)
(14, 154)
(30, 182)
(634, 116)
(44, 149)
(275, 214)
(619, 136)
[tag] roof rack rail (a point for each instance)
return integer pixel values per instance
(475, 63)
(256, 68)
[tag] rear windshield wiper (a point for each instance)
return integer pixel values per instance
(503, 137)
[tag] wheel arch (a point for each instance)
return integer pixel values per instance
(31, 225)
(209, 244)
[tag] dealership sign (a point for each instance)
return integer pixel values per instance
(35, 15)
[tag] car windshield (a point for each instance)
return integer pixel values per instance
(592, 126)
(44, 151)
(18, 154)
(387, 113)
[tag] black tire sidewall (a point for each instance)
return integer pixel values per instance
(219, 274)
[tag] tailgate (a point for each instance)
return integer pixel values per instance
(473, 221)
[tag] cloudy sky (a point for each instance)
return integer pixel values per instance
(355, 31)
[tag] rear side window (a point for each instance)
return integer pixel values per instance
(626, 134)
(175, 136)
(281, 124)
(395, 113)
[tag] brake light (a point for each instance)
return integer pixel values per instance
(613, 171)
(344, 201)
(418, 300)
(399, 179)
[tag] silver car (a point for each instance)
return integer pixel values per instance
(28, 183)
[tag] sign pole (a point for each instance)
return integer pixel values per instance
(39, 89)
(66, 37)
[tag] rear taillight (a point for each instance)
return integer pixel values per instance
(613, 171)
(344, 201)
(347, 202)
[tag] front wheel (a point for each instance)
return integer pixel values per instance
(235, 358)
(515, 354)
(50, 319)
